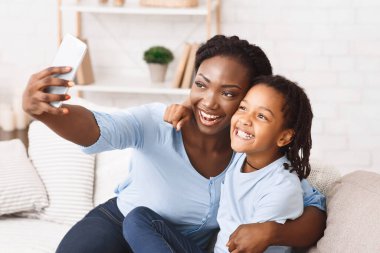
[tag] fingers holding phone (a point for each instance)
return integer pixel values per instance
(48, 88)
(37, 99)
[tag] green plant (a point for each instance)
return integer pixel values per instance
(158, 54)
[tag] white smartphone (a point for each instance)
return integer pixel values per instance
(70, 53)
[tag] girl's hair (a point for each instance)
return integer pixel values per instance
(249, 55)
(297, 116)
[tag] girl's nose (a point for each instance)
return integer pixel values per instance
(244, 121)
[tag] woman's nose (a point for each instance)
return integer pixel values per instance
(210, 100)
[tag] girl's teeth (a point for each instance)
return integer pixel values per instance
(244, 135)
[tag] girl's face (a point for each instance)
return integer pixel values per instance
(257, 126)
(219, 86)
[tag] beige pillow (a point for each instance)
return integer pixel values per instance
(353, 215)
(21, 189)
(67, 173)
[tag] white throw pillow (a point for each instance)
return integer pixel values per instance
(21, 188)
(67, 173)
(111, 170)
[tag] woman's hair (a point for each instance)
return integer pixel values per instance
(297, 116)
(249, 55)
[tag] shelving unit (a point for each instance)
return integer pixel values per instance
(128, 89)
(205, 9)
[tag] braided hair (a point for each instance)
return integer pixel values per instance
(297, 116)
(249, 55)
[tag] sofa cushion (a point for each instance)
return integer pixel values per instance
(323, 177)
(353, 217)
(22, 235)
(21, 189)
(67, 173)
(111, 170)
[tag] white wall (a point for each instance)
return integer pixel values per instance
(331, 47)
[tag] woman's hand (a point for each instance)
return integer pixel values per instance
(178, 115)
(252, 238)
(36, 101)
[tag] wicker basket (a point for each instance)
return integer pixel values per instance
(169, 3)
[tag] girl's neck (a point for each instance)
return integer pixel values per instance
(255, 162)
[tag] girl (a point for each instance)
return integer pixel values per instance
(176, 174)
(272, 128)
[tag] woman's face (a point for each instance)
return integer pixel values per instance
(219, 86)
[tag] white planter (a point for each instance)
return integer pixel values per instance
(157, 72)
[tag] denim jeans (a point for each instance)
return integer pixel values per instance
(148, 232)
(100, 231)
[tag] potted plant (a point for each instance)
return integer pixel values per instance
(158, 59)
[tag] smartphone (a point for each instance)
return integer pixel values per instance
(70, 53)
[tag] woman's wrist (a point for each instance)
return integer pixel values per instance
(274, 233)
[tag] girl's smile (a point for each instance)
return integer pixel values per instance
(243, 135)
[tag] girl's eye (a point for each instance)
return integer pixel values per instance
(241, 108)
(199, 84)
(228, 94)
(261, 116)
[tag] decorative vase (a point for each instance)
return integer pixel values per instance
(157, 72)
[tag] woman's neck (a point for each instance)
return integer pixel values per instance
(216, 142)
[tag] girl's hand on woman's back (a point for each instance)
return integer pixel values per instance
(178, 115)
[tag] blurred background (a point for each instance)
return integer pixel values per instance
(330, 47)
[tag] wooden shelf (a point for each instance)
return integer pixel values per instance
(206, 8)
(15, 134)
(128, 89)
(135, 8)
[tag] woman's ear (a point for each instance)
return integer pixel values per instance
(286, 137)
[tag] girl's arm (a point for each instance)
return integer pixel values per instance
(301, 232)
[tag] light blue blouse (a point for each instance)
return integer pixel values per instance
(161, 176)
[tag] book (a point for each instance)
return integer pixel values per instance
(181, 66)
(189, 71)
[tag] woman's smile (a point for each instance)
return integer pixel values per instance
(209, 119)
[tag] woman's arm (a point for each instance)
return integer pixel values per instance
(74, 123)
(301, 232)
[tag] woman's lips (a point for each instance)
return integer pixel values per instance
(208, 119)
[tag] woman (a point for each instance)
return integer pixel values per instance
(176, 174)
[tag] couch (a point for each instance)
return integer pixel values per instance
(44, 191)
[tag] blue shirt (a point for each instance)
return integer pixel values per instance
(161, 176)
(269, 194)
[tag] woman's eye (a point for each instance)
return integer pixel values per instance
(241, 108)
(199, 84)
(227, 94)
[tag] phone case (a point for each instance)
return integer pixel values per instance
(70, 53)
